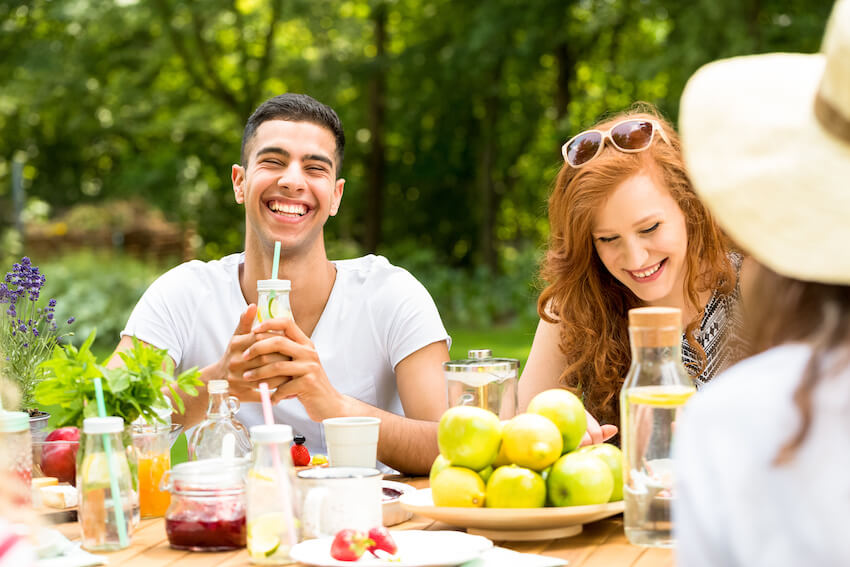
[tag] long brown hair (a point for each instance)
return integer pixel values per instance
(589, 303)
(785, 310)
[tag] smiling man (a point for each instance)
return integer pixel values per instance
(365, 338)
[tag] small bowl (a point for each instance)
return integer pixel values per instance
(392, 509)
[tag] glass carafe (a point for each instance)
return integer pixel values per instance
(651, 400)
(483, 381)
(220, 435)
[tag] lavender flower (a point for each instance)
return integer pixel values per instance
(28, 333)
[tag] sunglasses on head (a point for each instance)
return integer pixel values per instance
(629, 136)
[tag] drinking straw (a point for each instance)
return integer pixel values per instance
(276, 261)
(269, 419)
(113, 476)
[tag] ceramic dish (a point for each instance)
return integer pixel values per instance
(519, 524)
(392, 509)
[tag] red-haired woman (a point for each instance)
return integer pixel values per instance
(627, 230)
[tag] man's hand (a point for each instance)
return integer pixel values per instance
(233, 365)
(596, 433)
(284, 357)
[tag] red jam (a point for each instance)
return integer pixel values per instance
(215, 535)
(207, 510)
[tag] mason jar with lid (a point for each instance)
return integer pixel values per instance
(207, 510)
(16, 452)
(273, 299)
(483, 381)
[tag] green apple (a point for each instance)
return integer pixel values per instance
(579, 479)
(439, 464)
(613, 457)
(469, 437)
(515, 487)
(485, 473)
(566, 411)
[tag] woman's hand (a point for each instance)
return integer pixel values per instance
(596, 433)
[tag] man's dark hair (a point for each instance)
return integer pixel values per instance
(295, 108)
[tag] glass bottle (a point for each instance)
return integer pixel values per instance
(653, 395)
(207, 510)
(271, 520)
(16, 453)
(273, 299)
(220, 434)
(105, 485)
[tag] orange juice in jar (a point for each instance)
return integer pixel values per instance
(152, 444)
(153, 502)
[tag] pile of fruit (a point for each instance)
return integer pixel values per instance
(529, 461)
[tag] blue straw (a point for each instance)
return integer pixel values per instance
(113, 477)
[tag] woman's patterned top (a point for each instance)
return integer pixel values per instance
(719, 333)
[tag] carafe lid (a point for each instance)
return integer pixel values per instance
(481, 360)
(210, 474)
(655, 326)
(274, 433)
(95, 425)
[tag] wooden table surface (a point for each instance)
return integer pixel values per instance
(601, 544)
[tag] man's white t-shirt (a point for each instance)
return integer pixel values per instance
(734, 506)
(377, 314)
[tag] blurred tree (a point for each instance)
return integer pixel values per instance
(454, 110)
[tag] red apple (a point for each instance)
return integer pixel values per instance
(60, 459)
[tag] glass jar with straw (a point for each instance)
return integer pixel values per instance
(103, 478)
(273, 294)
(271, 520)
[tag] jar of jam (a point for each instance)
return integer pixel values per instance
(207, 510)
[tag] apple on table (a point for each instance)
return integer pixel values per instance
(60, 459)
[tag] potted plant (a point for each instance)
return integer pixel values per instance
(130, 391)
(135, 389)
(28, 334)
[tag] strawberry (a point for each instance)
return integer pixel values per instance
(382, 541)
(300, 454)
(349, 545)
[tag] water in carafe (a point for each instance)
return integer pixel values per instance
(653, 395)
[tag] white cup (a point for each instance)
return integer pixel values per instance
(352, 441)
(337, 498)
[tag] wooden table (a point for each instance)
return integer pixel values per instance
(601, 544)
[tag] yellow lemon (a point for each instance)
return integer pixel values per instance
(458, 487)
(532, 441)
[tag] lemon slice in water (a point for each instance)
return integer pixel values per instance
(264, 534)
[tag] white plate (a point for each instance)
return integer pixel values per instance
(511, 523)
(415, 549)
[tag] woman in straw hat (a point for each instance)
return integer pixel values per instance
(627, 230)
(764, 453)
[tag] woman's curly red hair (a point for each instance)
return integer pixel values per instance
(590, 305)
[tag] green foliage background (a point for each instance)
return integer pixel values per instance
(454, 112)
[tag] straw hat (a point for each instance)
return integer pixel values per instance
(766, 140)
